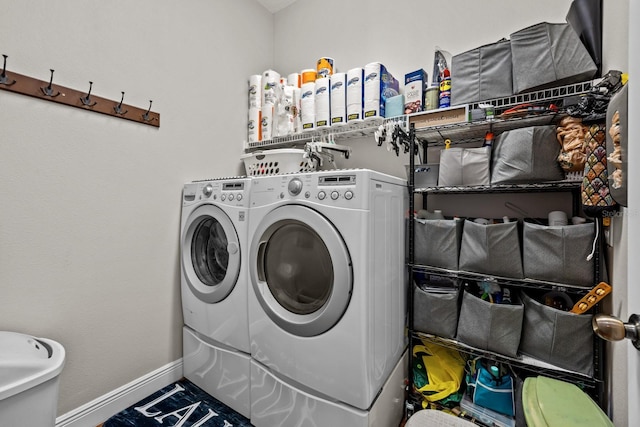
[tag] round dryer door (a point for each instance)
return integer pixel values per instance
(210, 254)
(300, 270)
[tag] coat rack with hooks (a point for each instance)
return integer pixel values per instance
(47, 90)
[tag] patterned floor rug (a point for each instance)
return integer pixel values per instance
(181, 404)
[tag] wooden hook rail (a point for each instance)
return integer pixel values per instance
(47, 90)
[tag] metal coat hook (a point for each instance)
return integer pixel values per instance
(118, 108)
(86, 100)
(48, 91)
(145, 116)
(3, 77)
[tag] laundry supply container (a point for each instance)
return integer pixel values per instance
(29, 377)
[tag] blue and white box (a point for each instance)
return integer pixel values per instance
(379, 85)
(415, 88)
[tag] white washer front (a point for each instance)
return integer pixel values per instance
(214, 288)
(327, 295)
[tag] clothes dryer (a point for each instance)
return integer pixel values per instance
(214, 285)
(328, 291)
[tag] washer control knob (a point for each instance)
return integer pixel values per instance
(223, 197)
(295, 186)
(348, 194)
(322, 195)
(334, 195)
(230, 197)
(207, 190)
(239, 197)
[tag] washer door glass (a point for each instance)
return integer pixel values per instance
(210, 254)
(301, 270)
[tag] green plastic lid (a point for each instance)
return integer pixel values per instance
(548, 402)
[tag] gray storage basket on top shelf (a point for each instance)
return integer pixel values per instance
(558, 337)
(559, 253)
(435, 309)
(492, 249)
(545, 55)
(489, 326)
(482, 73)
(526, 155)
(437, 242)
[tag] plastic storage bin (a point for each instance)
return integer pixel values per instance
(29, 370)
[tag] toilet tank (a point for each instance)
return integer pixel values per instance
(29, 377)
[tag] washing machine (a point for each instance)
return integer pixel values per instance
(214, 288)
(327, 299)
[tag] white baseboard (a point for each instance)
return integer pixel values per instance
(100, 409)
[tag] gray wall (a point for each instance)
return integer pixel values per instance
(89, 204)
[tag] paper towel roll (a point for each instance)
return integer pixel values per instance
(307, 105)
(267, 121)
(254, 125)
(255, 91)
(323, 102)
(294, 79)
(270, 87)
(338, 99)
(355, 94)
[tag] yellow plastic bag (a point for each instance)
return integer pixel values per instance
(438, 372)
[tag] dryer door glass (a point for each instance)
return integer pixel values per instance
(298, 268)
(301, 270)
(209, 253)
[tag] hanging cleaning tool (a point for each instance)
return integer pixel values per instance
(594, 296)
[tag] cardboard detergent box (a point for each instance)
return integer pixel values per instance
(379, 85)
(415, 88)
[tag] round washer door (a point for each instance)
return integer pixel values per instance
(300, 270)
(210, 254)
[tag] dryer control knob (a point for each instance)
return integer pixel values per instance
(335, 195)
(207, 190)
(348, 195)
(232, 248)
(295, 186)
(322, 195)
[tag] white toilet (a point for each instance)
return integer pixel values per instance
(29, 377)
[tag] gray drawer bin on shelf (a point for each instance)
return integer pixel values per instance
(482, 73)
(558, 337)
(437, 242)
(526, 155)
(559, 253)
(492, 249)
(435, 310)
(489, 326)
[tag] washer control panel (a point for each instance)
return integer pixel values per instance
(231, 192)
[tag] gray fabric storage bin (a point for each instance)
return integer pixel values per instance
(435, 310)
(437, 242)
(526, 155)
(482, 73)
(558, 337)
(547, 55)
(558, 253)
(492, 249)
(489, 326)
(464, 166)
